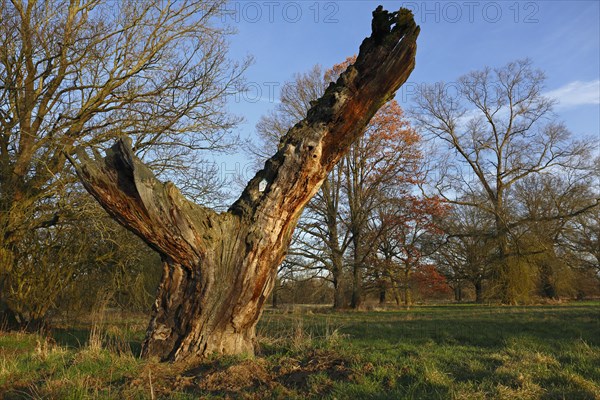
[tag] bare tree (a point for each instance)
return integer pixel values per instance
(379, 169)
(294, 102)
(467, 254)
(582, 239)
(66, 267)
(336, 219)
(408, 230)
(499, 129)
(322, 240)
(83, 72)
(220, 268)
(585, 240)
(557, 211)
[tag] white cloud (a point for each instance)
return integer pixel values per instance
(576, 93)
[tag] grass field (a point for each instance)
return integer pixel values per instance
(428, 352)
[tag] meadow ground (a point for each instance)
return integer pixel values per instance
(427, 352)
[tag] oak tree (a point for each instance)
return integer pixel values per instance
(552, 207)
(380, 169)
(498, 128)
(466, 254)
(409, 227)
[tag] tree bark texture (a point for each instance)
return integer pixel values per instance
(219, 268)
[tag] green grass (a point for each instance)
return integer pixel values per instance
(429, 352)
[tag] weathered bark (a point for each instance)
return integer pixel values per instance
(220, 268)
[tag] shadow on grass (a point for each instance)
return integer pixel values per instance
(73, 338)
(486, 328)
(558, 388)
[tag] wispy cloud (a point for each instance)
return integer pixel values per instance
(576, 93)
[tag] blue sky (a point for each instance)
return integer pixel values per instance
(561, 37)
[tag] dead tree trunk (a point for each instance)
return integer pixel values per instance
(220, 268)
